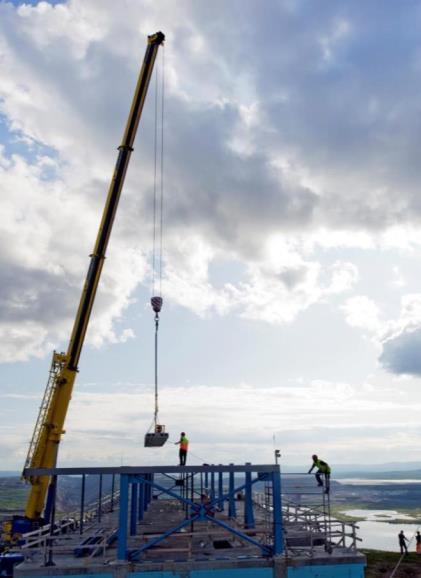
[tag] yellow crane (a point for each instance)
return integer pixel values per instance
(48, 430)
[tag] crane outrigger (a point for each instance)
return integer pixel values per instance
(43, 448)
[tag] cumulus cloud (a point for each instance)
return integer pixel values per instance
(402, 339)
(399, 339)
(261, 147)
(362, 312)
(342, 415)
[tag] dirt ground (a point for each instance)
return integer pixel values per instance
(382, 564)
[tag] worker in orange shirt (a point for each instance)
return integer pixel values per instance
(184, 446)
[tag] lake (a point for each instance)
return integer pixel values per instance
(378, 534)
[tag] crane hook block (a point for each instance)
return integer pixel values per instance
(156, 303)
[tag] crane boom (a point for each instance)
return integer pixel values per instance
(49, 426)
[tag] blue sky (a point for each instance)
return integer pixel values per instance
(292, 300)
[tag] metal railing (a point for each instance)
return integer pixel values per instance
(307, 521)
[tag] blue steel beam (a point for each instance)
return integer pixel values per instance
(163, 490)
(149, 470)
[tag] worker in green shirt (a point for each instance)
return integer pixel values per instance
(323, 469)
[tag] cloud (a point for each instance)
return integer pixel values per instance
(261, 147)
(399, 339)
(402, 339)
(362, 312)
(401, 354)
(334, 417)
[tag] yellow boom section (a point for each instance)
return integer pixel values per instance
(49, 426)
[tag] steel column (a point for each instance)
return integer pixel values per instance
(248, 505)
(232, 513)
(122, 523)
(133, 509)
(141, 500)
(53, 488)
(278, 546)
(220, 491)
(147, 492)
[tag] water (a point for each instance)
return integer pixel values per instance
(379, 534)
(377, 482)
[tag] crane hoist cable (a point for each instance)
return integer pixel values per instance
(158, 437)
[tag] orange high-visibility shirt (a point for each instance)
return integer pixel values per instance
(184, 443)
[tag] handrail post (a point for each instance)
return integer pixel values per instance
(99, 497)
(82, 504)
(112, 493)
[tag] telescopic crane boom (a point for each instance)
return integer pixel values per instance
(49, 426)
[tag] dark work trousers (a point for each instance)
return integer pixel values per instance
(183, 457)
(319, 479)
(404, 549)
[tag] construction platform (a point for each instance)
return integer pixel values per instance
(208, 521)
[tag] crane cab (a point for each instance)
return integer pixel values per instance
(157, 438)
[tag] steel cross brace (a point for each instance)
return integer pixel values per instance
(200, 514)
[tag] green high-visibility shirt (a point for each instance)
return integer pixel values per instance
(323, 466)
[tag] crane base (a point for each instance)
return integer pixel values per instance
(155, 440)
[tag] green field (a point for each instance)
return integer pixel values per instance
(13, 493)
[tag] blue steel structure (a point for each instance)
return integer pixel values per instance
(140, 485)
(198, 503)
(188, 484)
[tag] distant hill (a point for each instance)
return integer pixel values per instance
(381, 475)
(360, 470)
(14, 492)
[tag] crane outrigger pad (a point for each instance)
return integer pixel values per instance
(155, 440)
